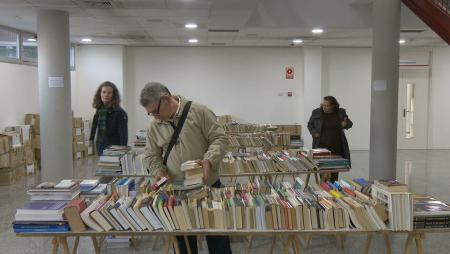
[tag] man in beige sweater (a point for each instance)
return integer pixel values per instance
(201, 138)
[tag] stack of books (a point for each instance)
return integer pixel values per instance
(397, 201)
(430, 213)
(92, 188)
(141, 138)
(246, 128)
(44, 213)
(117, 160)
(249, 140)
(193, 173)
(64, 190)
(265, 162)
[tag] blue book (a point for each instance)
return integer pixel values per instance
(41, 230)
(39, 226)
(40, 205)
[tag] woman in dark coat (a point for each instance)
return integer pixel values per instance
(327, 125)
(110, 123)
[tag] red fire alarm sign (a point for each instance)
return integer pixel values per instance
(289, 94)
(289, 72)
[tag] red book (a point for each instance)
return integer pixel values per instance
(80, 204)
(325, 187)
(349, 192)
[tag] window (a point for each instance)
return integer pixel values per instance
(72, 58)
(9, 44)
(29, 48)
(408, 112)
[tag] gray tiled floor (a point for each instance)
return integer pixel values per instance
(427, 172)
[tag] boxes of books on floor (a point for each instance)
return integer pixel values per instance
(77, 123)
(23, 131)
(17, 156)
(10, 139)
(5, 160)
(7, 176)
(34, 121)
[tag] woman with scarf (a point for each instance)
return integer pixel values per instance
(110, 123)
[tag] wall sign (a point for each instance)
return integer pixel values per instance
(55, 82)
(289, 72)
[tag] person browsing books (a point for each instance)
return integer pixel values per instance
(110, 123)
(183, 131)
(326, 125)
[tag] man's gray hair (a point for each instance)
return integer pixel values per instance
(152, 92)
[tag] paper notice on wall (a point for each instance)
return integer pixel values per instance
(54, 82)
(379, 85)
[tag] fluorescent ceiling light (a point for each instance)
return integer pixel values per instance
(317, 31)
(401, 41)
(31, 39)
(191, 25)
(193, 40)
(297, 41)
(86, 40)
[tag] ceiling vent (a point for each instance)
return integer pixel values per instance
(97, 4)
(223, 30)
(412, 31)
(218, 44)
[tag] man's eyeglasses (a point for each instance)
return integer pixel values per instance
(157, 109)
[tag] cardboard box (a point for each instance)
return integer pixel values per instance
(29, 156)
(78, 155)
(78, 148)
(12, 140)
(77, 122)
(2, 146)
(37, 142)
(78, 139)
(17, 157)
(90, 150)
(33, 120)
(30, 169)
(5, 160)
(7, 176)
(24, 132)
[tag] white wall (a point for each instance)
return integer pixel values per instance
(18, 96)
(243, 82)
(347, 76)
(94, 65)
(439, 117)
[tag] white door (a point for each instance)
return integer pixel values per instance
(413, 109)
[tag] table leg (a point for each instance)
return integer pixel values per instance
(75, 245)
(339, 242)
(188, 246)
(95, 243)
(55, 245)
(368, 243)
(175, 244)
(307, 240)
(387, 242)
(155, 243)
(297, 248)
(419, 243)
(167, 243)
(287, 245)
(272, 245)
(408, 243)
(250, 243)
(63, 241)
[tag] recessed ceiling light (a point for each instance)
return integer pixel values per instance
(191, 25)
(401, 41)
(317, 31)
(193, 40)
(31, 39)
(297, 41)
(86, 40)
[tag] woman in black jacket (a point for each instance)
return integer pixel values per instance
(327, 125)
(110, 122)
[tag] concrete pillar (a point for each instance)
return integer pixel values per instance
(54, 95)
(312, 83)
(384, 90)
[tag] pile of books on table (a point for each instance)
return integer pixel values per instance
(249, 140)
(265, 162)
(243, 206)
(324, 159)
(430, 213)
(247, 128)
(44, 213)
(120, 160)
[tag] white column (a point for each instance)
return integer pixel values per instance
(384, 92)
(54, 94)
(312, 82)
